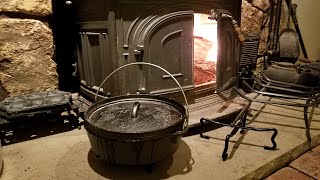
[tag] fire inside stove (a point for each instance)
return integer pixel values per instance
(205, 49)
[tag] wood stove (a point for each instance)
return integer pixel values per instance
(114, 33)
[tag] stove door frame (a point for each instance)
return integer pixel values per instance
(227, 66)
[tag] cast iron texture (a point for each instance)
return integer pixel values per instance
(34, 103)
(113, 33)
(133, 152)
(306, 75)
(151, 138)
(118, 128)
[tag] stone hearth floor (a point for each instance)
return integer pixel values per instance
(67, 155)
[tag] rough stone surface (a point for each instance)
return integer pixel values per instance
(252, 19)
(264, 38)
(288, 173)
(255, 20)
(26, 52)
(309, 163)
(263, 5)
(32, 7)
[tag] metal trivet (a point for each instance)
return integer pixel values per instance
(238, 123)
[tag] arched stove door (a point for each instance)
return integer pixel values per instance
(167, 41)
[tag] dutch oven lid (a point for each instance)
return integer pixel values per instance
(136, 116)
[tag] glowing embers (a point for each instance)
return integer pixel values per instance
(205, 49)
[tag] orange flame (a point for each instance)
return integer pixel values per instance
(207, 29)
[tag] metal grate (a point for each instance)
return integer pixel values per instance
(29, 105)
(249, 52)
(315, 66)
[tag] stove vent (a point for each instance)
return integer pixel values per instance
(249, 52)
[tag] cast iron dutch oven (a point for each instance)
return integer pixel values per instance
(136, 129)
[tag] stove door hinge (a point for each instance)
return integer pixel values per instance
(75, 67)
(220, 14)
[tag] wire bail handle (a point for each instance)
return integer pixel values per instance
(159, 67)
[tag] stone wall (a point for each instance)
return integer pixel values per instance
(26, 47)
(255, 20)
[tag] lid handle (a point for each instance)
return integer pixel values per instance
(135, 110)
(159, 67)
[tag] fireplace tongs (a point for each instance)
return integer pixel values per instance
(240, 120)
(217, 14)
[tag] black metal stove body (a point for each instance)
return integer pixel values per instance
(114, 33)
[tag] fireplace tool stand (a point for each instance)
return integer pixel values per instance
(273, 80)
(303, 86)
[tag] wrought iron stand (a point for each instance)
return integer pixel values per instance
(238, 123)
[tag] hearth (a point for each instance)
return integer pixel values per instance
(114, 33)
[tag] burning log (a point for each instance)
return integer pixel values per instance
(204, 70)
